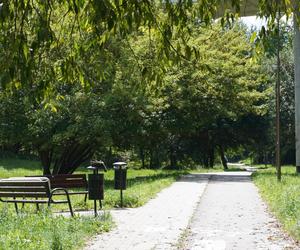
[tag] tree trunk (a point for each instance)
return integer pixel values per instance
(223, 158)
(154, 159)
(151, 159)
(71, 158)
(211, 157)
(173, 159)
(142, 155)
(46, 158)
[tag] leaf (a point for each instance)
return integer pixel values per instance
(25, 51)
(253, 37)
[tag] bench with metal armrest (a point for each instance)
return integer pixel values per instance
(34, 190)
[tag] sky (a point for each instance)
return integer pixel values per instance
(253, 21)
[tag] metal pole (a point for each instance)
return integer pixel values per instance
(95, 207)
(95, 201)
(121, 184)
(121, 193)
(278, 164)
(297, 85)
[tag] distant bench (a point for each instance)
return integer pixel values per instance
(69, 181)
(17, 190)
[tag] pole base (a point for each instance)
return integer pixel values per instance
(298, 169)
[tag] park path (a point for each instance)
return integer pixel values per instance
(159, 223)
(201, 211)
(231, 215)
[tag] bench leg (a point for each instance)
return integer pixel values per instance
(23, 203)
(85, 198)
(16, 206)
(37, 206)
(70, 206)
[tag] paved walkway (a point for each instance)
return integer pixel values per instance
(231, 215)
(224, 212)
(159, 223)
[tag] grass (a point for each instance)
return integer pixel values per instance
(44, 231)
(282, 197)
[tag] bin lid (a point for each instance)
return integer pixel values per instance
(120, 164)
(95, 164)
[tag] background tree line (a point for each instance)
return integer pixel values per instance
(138, 104)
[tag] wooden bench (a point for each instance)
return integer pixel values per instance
(69, 181)
(38, 189)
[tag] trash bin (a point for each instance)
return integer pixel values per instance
(120, 179)
(96, 186)
(96, 183)
(120, 175)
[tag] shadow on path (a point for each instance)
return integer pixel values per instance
(240, 176)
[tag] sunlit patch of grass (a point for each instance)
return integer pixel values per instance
(12, 167)
(45, 231)
(282, 197)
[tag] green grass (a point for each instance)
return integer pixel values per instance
(11, 167)
(282, 197)
(44, 231)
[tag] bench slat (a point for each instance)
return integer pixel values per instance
(67, 185)
(35, 201)
(18, 183)
(24, 194)
(22, 189)
(67, 180)
(26, 201)
(71, 192)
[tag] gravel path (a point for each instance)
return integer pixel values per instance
(231, 215)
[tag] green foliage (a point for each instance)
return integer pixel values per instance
(283, 197)
(186, 113)
(29, 27)
(45, 231)
(266, 149)
(211, 101)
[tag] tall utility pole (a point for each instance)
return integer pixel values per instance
(297, 84)
(278, 163)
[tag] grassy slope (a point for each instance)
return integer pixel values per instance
(283, 198)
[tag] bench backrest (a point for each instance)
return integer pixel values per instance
(25, 187)
(67, 180)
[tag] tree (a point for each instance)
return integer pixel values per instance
(201, 106)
